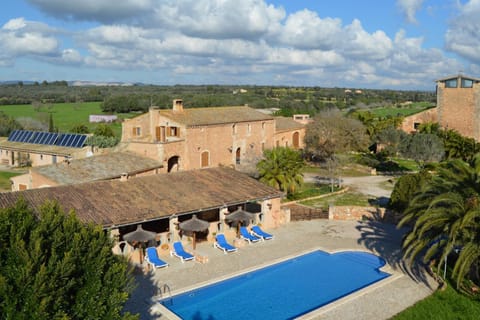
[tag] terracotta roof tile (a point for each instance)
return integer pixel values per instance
(101, 167)
(217, 115)
(287, 124)
(113, 202)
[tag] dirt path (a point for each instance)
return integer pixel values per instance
(377, 186)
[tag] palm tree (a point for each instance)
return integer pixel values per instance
(445, 216)
(281, 168)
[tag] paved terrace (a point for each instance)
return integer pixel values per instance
(380, 301)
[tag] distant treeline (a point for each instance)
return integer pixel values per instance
(124, 99)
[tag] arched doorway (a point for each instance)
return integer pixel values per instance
(173, 164)
(296, 140)
(237, 156)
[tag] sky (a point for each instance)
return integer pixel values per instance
(382, 44)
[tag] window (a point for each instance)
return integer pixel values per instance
(173, 131)
(136, 131)
(41, 157)
(237, 156)
(467, 83)
(451, 83)
(416, 125)
(234, 129)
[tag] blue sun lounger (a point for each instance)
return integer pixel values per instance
(256, 231)
(222, 244)
(247, 236)
(153, 259)
(179, 252)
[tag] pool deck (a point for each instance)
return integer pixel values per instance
(379, 301)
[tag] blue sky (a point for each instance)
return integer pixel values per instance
(396, 44)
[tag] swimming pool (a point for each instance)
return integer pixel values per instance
(281, 291)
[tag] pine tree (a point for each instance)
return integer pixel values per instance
(56, 267)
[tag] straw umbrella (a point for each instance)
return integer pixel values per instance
(239, 218)
(139, 235)
(194, 225)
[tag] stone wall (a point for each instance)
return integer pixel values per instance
(355, 213)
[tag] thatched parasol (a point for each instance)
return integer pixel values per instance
(239, 218)
(140, 236)
(194, 225)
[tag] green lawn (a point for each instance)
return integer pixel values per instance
(402, 111)
(443, 305)
(4, 179)
(65, 115)
(309, 190)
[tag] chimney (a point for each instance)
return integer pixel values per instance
(124, 177)
(177, 105)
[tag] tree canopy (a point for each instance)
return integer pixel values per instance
(56, 267)
(281, 168)
(445, 218)
(331, 133)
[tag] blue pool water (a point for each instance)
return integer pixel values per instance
(282, 291)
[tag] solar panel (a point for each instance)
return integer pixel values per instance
(34, 137)
(80, 142)
(48, 138)
(13, 135)
(51, 138)
(25, 136)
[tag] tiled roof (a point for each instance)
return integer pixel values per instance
(217, 115)
(101, 167)
(287, 124)
(36, 148)
(113, 202)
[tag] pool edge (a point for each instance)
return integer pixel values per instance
(160, 309)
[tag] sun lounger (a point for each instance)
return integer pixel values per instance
(247, 236)
(153, 259)
(256, 231)
(222, 244)
(179, 252)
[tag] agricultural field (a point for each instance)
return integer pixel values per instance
(405, 110)
(65, 115)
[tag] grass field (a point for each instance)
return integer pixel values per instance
(443, 305)
(402, 111)
(65, 115)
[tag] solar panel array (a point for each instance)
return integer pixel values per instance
(70, 140)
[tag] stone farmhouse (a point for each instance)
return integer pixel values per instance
(458, 107)
(186, 139)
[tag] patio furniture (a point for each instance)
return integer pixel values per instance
(256, 231)
(179, 252)
(222, 244)
(250, 238)
(153, 259)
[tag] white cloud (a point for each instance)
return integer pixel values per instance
(221, 41)
(306, 30)
(462, 36)
(94, 10)
(20, 37)
(409, 8)
(219, 19)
